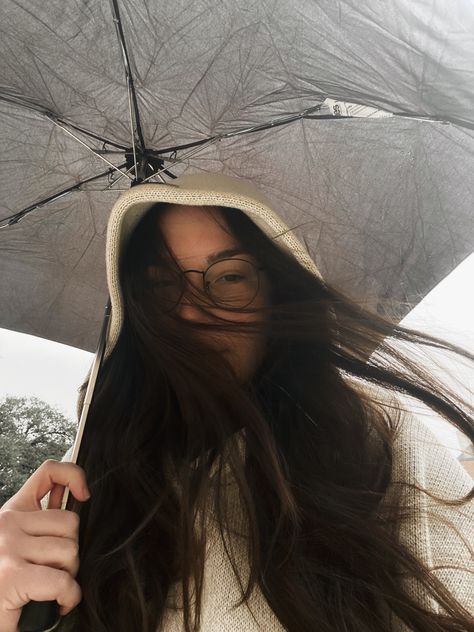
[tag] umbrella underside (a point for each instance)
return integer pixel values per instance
(355, 121)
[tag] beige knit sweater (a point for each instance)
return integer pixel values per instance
(418, 457)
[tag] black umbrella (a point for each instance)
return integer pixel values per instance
(356, 120)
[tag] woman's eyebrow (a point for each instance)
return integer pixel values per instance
(215, 256)
(229, 252)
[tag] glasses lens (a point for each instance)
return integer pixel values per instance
(232, 283)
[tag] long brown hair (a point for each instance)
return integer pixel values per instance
(313, 484)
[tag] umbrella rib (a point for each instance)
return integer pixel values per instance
(123, 175)
(135, 124)
(87, 146)
(209, 141)
(249, 130)
(304, 114)
(17, 217)
(202, 144)
(15, 99)
(308, 113)
(91, 134)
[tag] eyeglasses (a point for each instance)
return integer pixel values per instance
(229, 283)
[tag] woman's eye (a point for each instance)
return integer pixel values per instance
(231, 278)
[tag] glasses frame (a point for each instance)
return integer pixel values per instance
(205, 286)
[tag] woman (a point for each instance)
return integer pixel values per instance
(251, 467)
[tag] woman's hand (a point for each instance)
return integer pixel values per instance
(39, 549)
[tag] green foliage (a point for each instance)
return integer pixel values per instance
(31, 431)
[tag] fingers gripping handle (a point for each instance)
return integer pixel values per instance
(43, 616)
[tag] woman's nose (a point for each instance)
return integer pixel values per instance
(189, 305)
(188, 310)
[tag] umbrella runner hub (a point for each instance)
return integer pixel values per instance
(146, 164)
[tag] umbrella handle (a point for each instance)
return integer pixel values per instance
(39, 616)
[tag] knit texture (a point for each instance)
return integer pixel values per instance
(444, 536)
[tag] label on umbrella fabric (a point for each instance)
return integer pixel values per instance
(343, 108)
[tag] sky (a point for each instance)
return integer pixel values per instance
(53, 372)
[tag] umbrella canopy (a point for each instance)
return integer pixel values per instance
(355, 119)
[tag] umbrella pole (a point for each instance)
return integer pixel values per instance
(89, 393)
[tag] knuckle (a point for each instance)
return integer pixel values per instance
(10, 566)
(74, 467)
(49, 463)
(7, 518)
(76, 593)
(73, 521)
(64, 581)
(73, 546)
(6, 522)
(4, 544)
(3, 516)
(70, 589)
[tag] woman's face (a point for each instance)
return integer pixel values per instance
(195, 239)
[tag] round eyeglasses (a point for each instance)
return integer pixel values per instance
(229, 283)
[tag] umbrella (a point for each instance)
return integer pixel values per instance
(356, 120)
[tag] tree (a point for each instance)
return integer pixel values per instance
(31, 431)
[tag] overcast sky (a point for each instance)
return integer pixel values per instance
(53, 372)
